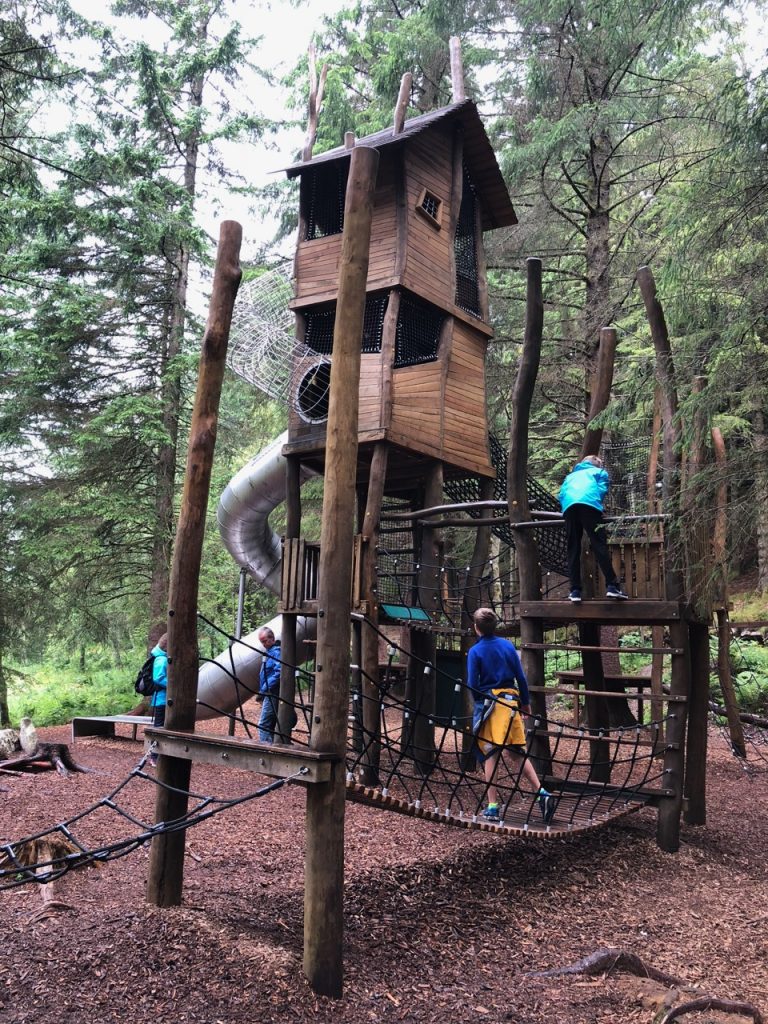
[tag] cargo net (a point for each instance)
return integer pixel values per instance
(320, 323)
(465, 251)
(323, 195)
(417, 335)
(550, 540)
(627, 464)
(262, 340)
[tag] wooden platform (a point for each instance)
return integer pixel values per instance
(574, 813)
(104, 725)
(249, 755)
(631, 612)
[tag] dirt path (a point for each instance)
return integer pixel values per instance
(442, 925)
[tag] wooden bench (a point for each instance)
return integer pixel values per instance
(104, 725)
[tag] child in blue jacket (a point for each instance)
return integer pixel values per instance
(500, 691)
(581, 500)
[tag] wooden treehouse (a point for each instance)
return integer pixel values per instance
(387, 401)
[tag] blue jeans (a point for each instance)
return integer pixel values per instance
(268, 718)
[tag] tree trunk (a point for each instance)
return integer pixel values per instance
(170, 372)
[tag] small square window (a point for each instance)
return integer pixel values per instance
(430, 207)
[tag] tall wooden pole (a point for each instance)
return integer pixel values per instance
(668, 827)
(370, 693)
(531, 631)
(166, 859)
(324, 886)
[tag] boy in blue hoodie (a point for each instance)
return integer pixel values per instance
(581, 501)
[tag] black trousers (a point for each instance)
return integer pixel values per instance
(586, 519)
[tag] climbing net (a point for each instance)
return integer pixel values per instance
(47, 855)
(421, 761)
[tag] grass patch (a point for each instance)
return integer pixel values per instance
(54, 695)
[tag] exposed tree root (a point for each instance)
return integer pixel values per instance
(603, 961)
(712, 1003)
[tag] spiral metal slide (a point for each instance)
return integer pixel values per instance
(243, 518)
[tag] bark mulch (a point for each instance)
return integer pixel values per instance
(442, 924)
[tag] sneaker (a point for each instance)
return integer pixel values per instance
(614, 591)
(575, 596)
(547, 805)
(491, 813)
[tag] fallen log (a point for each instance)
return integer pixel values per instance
(54, 755)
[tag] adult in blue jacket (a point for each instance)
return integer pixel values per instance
(269, 684)
(159, 698)
(581, 500)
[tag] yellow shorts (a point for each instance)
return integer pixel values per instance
(503, 725)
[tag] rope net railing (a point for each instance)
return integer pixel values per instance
(423, 758)
(51, 853)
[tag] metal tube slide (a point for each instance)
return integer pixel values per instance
(243, 518)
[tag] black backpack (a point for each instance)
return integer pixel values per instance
(145, 684)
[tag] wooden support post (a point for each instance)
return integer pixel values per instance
(471, 604)
(421, 682)
(596, 708)
(371, 696)
(289, 653)
(324, 886)
(166, 859)
(668, 824)
(698, 720)
(529, 567)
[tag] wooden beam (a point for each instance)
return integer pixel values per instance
(324, 866)
(166, 859)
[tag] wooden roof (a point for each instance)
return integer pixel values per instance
(479, 156)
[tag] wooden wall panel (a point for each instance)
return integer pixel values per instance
(466, 421)
(371, 391)
(417, 403)
(317, 261)
(428, 267)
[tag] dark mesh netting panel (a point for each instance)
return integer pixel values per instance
(326, 188)
(418, 332)
(395, 561)
(627, 464)
(319, 324)
(465, 251)
(551, 540)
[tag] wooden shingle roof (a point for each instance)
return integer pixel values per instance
(479, 157)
